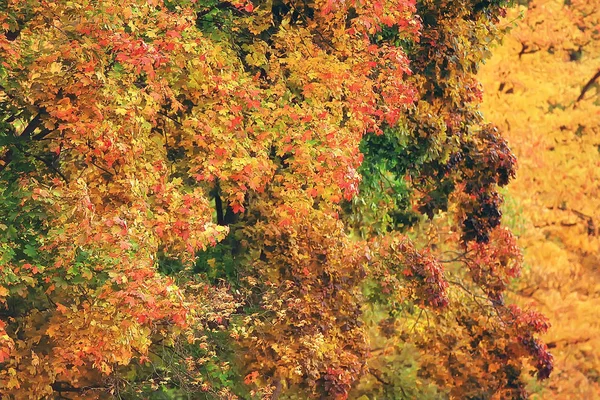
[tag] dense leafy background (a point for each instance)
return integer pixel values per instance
(267, 199)
(542, 90)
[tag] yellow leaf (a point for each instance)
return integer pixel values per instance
(55, 67)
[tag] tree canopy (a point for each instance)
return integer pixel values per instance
(542, 91)
(255, 199)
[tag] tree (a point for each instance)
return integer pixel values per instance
(537, 91)
(188, 190)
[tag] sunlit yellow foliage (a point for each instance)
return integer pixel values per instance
(532, 85)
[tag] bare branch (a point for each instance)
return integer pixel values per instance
(588, 85)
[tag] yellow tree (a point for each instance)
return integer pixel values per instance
(541, 88)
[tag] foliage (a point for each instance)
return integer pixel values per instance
(184, 207)
(542, 89)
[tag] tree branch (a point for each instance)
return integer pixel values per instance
(32, 126)
(525, 49)
(588, 85)
(26, 134)
(171, 118)
(61, 386)
(47, 163)
(6, 160)
(567, 341)
(219, 204)
(379, 378)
